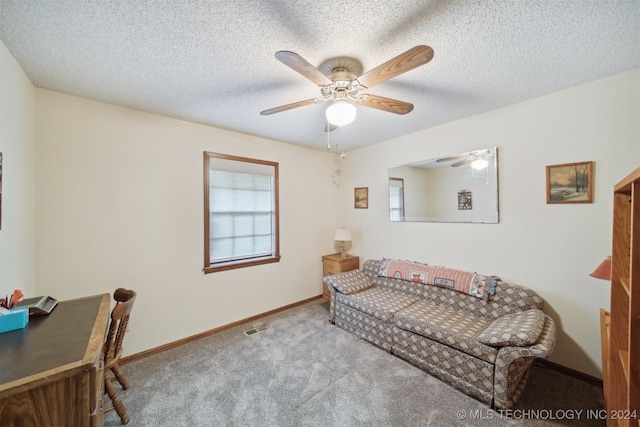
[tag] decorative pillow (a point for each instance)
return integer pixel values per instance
(405, 270)
(517, 329)
(472, 284)
(350, 282)
(483, 286)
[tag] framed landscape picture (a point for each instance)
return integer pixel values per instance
(570, 183)
(361, 198)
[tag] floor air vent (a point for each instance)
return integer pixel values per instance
(256, 329)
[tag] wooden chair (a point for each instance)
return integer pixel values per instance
(113, 350)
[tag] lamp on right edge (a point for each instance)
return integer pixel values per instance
(603, 271)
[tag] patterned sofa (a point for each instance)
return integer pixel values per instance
(474, 332)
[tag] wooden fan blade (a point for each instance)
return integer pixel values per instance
(288, 107)
(461, 162)
(450, 159)
(402, 63)
(387, 104)
(299, 64)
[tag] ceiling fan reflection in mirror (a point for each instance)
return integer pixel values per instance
(341, 81)
(479, 159)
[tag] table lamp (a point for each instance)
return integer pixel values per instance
(603, 271)
(343, 241)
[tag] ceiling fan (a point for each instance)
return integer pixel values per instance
(342, 82)
(467, 158)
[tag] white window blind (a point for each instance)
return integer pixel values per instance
(242, 211)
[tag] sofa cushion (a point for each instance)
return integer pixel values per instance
(402, 286)
(380, 303)
(516, 329)
(509, 298)
(447, 325)
(349, 282)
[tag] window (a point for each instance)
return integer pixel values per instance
(241, 212)
(396, 199)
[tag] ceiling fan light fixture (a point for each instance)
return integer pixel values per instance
(479, 164)
(341, 113)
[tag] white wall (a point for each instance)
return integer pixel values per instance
(120, 203)
(550, 248)
(17, 144)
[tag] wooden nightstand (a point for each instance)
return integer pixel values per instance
(335, 263)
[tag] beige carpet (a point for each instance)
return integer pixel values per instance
(303, 371)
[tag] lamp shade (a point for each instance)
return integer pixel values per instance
(603, 271)
(343, 235)
(341, 113)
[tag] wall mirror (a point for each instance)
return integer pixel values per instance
(457, 188)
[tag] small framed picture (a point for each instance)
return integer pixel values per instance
(464, 200)
(570, 183)
(361, 198)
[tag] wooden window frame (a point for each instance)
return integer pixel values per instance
(275, 257)
(401, 207)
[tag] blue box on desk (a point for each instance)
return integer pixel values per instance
(18, 319)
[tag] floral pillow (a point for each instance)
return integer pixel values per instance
(517, 329)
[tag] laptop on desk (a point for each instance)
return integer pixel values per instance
(39, 306)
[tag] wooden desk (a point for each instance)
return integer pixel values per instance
(51, 370)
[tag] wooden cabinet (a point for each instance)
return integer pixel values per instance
(51, 371)
(336, 263)
(621, 327)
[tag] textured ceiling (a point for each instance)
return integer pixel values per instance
(213, 62)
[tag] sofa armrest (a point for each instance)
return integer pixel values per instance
(349, 282)
(513, 363)
(521, 329)
(332, 303)
(542, 348)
